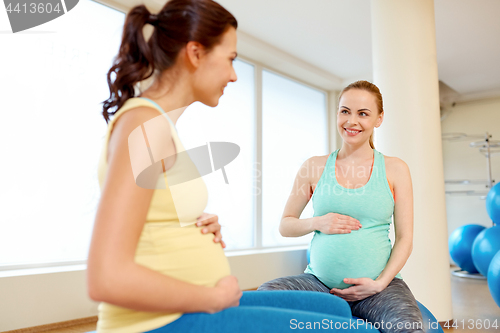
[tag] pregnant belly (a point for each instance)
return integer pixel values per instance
(358, 254)
(182, 253)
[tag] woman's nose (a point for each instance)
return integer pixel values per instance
(234, 77)
(353, 120)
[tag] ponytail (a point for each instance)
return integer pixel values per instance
(371, 142)
(133, 63)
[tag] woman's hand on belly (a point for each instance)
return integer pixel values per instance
(211, 225)
(227, 293)
(333, 223)
(361, 289)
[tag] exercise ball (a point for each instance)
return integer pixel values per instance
(485, 246)
(494, 278)
(431, 324)
(460, 246)
(493, 203)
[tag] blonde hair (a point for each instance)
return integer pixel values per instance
(371, 88)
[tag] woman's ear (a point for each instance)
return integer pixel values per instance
(380, 120)
(194, 52)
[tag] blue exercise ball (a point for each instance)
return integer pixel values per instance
(494, 278)
(431, 324)
(460, 246)
(484, 248)
(493, 203)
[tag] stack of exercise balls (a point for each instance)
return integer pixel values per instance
(490, 242)
(460, 246)
(475, 248)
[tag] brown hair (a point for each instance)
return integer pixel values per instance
(370, 87)
(178, 22)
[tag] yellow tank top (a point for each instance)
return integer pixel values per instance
(183, 253)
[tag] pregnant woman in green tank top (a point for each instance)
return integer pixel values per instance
(355, 192)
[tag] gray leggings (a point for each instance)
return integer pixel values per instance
(394, 304)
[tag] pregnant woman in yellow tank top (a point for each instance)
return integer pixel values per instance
(156, 260)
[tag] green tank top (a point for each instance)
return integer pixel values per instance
(363, 252)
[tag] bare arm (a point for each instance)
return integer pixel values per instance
(292, 226)
(112, 274)
(403, 221)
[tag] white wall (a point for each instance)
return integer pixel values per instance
(40, 299)
(463, 162)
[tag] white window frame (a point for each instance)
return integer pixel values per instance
(258, 228)
(259, 68)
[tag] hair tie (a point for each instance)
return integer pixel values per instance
(153, 19)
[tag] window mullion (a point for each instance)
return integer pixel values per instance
(258, 157)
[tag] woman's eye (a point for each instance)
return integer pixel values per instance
(364, 114)
(342, 111)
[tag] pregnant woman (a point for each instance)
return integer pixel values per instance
(156, 260)
(355, 193)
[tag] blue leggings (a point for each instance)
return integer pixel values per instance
(274, 312)
(394, 306)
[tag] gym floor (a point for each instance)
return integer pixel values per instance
(472, 303)
(471, 298)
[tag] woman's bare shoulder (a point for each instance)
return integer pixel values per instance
(135, 117)
(316, 161)
(394, 162)
(319, 159)
(395, 167)
(315, 166)
(131, 120)
(312, 163)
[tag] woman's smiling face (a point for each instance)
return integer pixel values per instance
(357, 116)
(216, 70)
